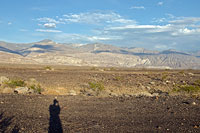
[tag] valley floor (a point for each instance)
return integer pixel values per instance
(62, 80)
(128, 100)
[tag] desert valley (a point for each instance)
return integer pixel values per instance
(107, 66)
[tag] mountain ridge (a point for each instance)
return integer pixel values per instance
(104, 55)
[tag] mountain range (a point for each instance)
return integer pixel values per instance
(100, 55)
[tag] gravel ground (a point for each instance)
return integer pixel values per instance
(42, 113)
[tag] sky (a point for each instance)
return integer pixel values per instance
(150, 24)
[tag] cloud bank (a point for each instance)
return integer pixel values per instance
(168, 32)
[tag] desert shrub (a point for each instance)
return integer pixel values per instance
(93, 68)
(106, 69)
(187, 88)
(164, 76)
(197, 82)
(182, 72)
(31, 84)
(96, 86)
(15, 83)
(118, 78)
(48, 68)
(112, 69)
(36, 87)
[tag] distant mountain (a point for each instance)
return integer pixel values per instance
(172, 51)
(142, 50)
(14, 46)
(46, 41)
(196, 53)
(50, 52)
(8, 50)
(46, 46)
(98, 48)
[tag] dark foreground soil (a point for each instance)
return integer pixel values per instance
(35, 113)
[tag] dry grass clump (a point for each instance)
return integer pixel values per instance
(48, 68)
(13, 83)
(96, 86)
(31, 84)
(188, 88)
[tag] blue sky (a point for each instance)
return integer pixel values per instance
(151, 24)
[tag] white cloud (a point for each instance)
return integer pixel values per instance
(9, 23)
(181, 31)
(50, 25)
(48, 30)
(48, 20)
(137, 7)
(95, 18)
(96, 38)
(159, 20)
(186, 31)
(99, 18)
(123, 21)
(170, 29)
(168, 17)
(160, 3)
(144, 28)
(185, 20)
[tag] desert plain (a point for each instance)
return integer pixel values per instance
(98, 99)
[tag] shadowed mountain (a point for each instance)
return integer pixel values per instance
(140, 51)
(173, 52)
(9, 51)
(127, 51)
(47, 46)
(37, 48)
(15, 46)
(135, 53)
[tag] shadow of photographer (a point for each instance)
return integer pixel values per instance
(55, 125)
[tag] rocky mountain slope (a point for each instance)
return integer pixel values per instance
(49, 52)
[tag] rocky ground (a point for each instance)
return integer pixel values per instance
(60, 80)
(104, 100)
(31, 113)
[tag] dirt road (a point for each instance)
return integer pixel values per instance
(37, 113)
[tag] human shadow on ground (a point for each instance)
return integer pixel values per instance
(55, 125)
